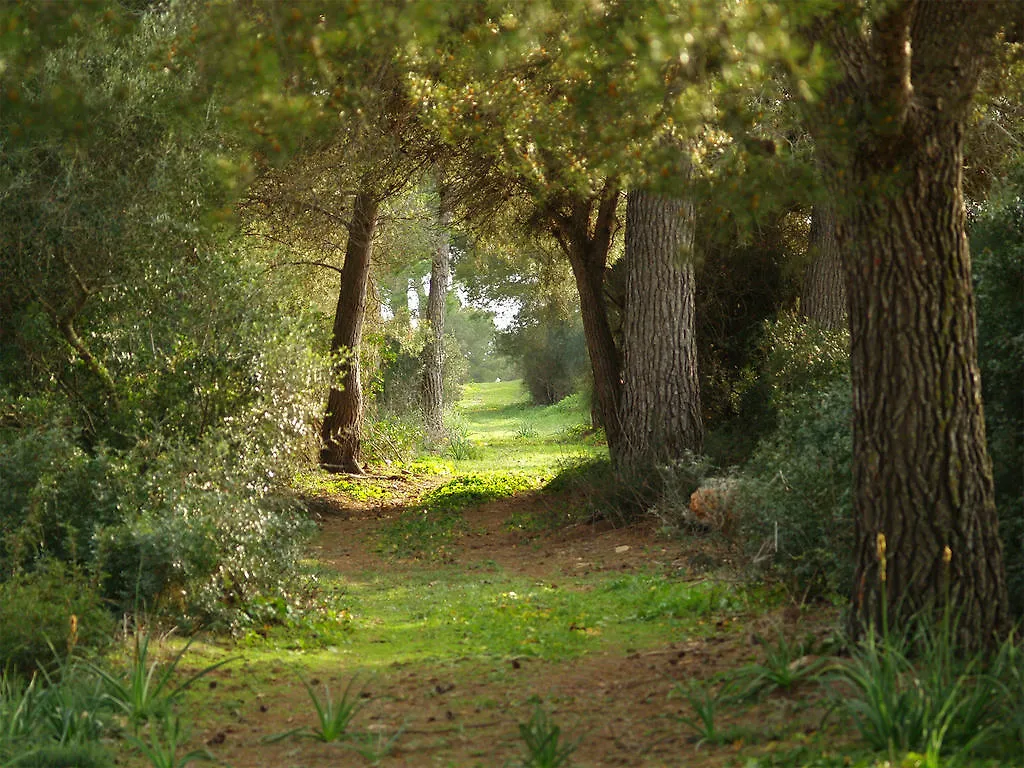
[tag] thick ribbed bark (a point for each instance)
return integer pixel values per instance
(823, 298)
(433, 352)
(586, 240)
(660, 412)
(922, 476)
(344, 416)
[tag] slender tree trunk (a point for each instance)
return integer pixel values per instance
(344, 416)
(586, 239)
(433, 353)
(604, 355)
(823, 299)
(661, 412)
(892, 144)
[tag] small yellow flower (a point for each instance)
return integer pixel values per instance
(947, 554)
(880, 546)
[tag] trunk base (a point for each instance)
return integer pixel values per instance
(336, 460)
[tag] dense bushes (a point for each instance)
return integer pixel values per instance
(551, 353)
(793, 495)
(170, 485)
(998, 251)
(47, 613)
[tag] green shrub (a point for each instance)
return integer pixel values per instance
(45, 614)
(793, 358)
(53, 493)
(998, 252)
(207, 546)
(395, 370)
(392, 438)
(793, 497)
(550, 352)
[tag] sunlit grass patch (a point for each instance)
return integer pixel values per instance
(319, 483)
(449, 613)
(503, 430)
(427, 530)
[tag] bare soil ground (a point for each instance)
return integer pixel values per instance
(623, 706)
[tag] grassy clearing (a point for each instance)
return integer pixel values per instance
(502, 431)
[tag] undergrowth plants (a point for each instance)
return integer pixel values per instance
(334, 718)
(70, 716)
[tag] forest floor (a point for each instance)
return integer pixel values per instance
(618, 635)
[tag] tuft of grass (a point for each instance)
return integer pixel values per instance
(787, 664)
(163, 739)
(334, 717)
(543, 741)
(148, 690)
(706, 702)
(916, 693)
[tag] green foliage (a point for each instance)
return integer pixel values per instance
(392, 438)
(46, 614)
(397, 383)
(997, 242)
(162, 742)
(743, 285)
(89, 755)
(208, 554)
(793, 498)
(53, 493)
(706, 701)
(475, 333)
(322, 483)
(459, 446)
(157, 389)
(794, 359)
(213, 413)
(474, 489)
(542, 739)
(786, 665)
(54, 720)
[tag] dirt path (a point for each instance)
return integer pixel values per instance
(624, 706)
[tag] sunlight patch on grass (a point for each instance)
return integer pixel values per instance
(448, 614)
(320, 483)
(508, 432)
(428, 529)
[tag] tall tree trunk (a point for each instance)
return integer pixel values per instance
(823, 298)
(433, 353)
(586, 239)
(924, 510)
(344, 416)
(661, 412)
